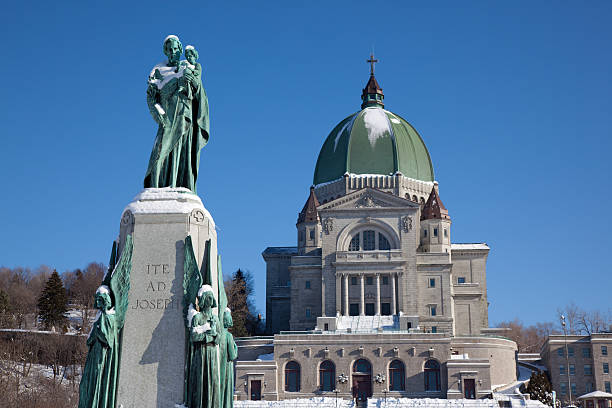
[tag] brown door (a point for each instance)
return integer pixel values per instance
(469, 388)
(256, 390)
(364, 386)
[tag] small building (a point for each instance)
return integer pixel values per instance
(583, 369)
(375, 299)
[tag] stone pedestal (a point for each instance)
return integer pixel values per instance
(152, 356)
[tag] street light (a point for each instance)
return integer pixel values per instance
(569, 379)
(336, 392)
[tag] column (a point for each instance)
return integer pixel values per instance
(338, 294)
(400, 297)
(378, 294)
(323, 296)
(362, 297)
(393, 300)
(346, 294)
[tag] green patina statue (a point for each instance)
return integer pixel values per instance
(178, 103)
(98, 385)
(203, 386)
(229, 353)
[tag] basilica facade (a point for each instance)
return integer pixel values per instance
(375, 299)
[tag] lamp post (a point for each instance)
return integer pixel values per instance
(569, 379)
(336, 392)
(385, 392)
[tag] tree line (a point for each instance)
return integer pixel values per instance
(579, 321)
(40, 298)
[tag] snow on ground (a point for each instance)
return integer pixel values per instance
(324, 402)
(385, 403)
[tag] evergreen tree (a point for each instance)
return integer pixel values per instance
(53, 302)
(239, 300)
(539, 388)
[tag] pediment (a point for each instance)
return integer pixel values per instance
(368, 198)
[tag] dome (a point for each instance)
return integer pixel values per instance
(373, 141)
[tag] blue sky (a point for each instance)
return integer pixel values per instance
(513, 100)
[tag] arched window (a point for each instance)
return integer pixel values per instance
(397, 375)
(292, 377)
(383, 243)
(432, 375)
(354, 245)
(369, 240)
(362, 366)
(327, 376)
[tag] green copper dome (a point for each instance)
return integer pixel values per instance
(373, 141)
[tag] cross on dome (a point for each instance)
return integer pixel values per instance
(372, 61)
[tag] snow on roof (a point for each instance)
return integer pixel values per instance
(596, 394)
(467, 247)
(280, 250)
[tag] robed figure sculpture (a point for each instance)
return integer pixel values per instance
(98, 385)
(178, 103)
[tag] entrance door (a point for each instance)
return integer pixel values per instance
(362, 380)
(363, 383)
(469, 388)
(255, 390)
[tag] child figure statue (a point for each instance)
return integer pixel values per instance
(230, 352)
(191, 66)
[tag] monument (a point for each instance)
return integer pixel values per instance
(160, 338)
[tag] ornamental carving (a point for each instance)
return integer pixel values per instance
(328, 225)
(197, 216)
(406, 223)
(127, 218)
(367, 201)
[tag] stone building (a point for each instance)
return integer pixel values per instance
(375, 298)
(586, 365)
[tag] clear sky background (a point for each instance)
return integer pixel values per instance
(513, 100)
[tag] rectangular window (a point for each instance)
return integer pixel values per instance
(369, 240)
(434, 329)
(588, 370)
(432, 282)
(326, 327)
(573, 388)
(383, 243)
(570, 352)
(606, 368)
(586, 352)
(354, 309)
(435, 232)
(369, 280)
(461, 279)
(607, 386)
(561, 370)
(560, 352)
(307, 285)
(563, 388)
(307, 312)
(604, 350)
(385, 309)
(432, 310)
(353, 280)
(588, 387)
(369, 309)
(312, 232)
(425, 233)
(385, 280)
(572, 369)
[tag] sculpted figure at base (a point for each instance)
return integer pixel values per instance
(178, 103)
(229, 351)
(203, 389)
(98, 385)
